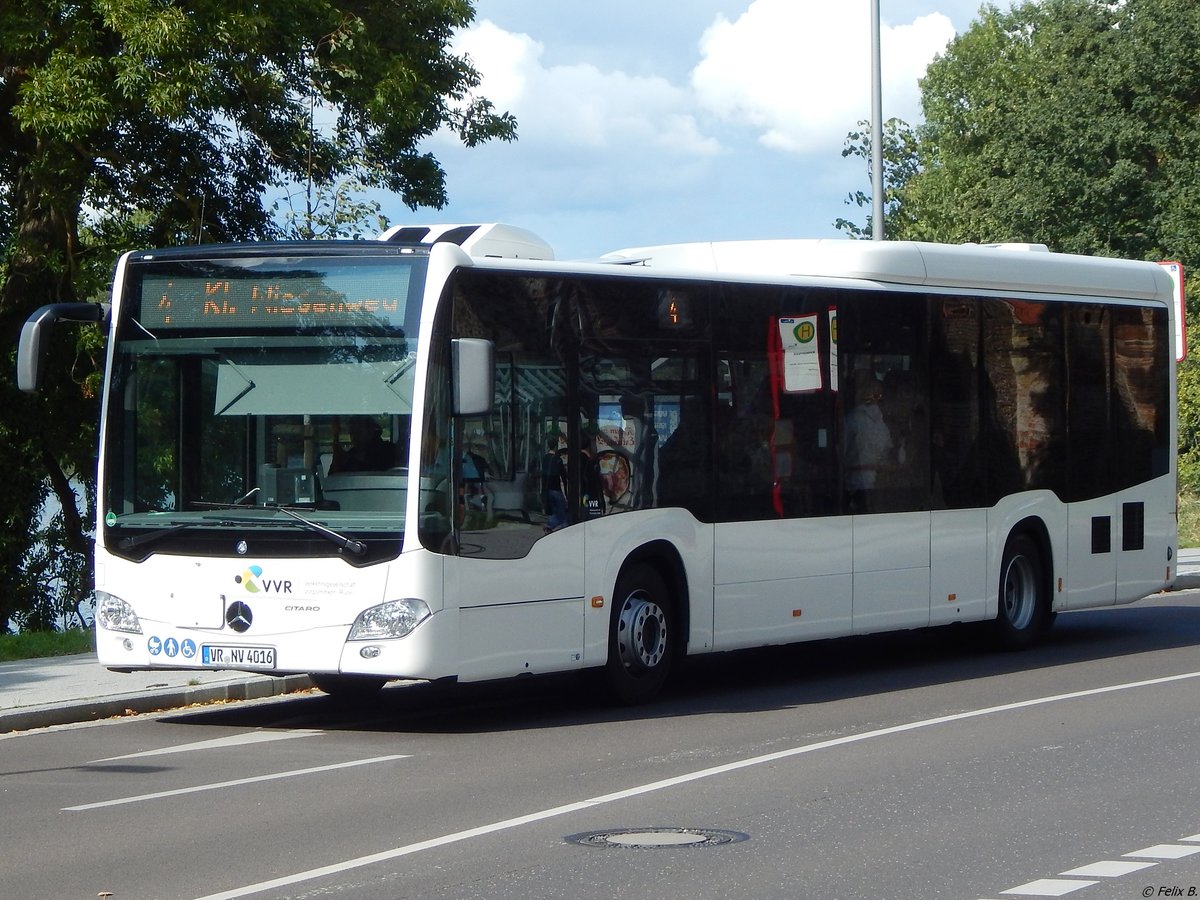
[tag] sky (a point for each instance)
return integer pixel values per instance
(643, 122)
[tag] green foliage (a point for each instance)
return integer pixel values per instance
(321, 212)
(1066, 122)
(1189, 519)
(42, 644)
(1188, 410)
(141, 123)
(900, 165)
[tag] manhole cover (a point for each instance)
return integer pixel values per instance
(656, 838)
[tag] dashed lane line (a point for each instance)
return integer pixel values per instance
(237, 740)
(158, 795)
(1050, 887)
(1076, 879)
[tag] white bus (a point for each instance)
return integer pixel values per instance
(444, 455)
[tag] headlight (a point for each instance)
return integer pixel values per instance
(389, 620)
(114, 614)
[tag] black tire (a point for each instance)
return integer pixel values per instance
(349, 688)
(1023, 610)
(642, 638)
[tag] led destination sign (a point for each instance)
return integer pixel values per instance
(316, 294)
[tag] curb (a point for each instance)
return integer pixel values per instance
(157, 701)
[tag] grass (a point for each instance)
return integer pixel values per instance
(1189, 520)
(39, 644)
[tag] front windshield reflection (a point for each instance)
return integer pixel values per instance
(220, 431)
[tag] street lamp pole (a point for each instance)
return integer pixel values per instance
(876, 128)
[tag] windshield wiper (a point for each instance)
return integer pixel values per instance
(358, 548)
(351, 545)
(239, 503)
(129, 543)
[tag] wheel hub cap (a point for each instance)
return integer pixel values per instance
(641, 633)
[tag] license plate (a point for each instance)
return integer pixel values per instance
(237, 657)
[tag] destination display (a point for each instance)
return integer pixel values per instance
(313, 294)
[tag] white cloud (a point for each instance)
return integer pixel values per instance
(798, 71)
(504, 59)
(580, 106)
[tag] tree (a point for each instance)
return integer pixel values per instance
(1066, 122)
(339, 210)
(148, 123)
(900, 165)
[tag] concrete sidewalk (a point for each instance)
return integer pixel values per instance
(36, 693)
(1187, 570)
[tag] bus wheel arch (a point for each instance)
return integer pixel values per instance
(1023, 608)
(648, 623)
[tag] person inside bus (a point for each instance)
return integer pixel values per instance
(868, 444)
(475, 474)
(554, 485)
(368, 451)
(908, 423)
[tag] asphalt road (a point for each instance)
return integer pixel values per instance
(920, 765)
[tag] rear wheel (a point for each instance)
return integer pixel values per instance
(1024, 607)
(351, 688)
(642, 641)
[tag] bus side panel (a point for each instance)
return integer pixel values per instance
(891, 571)
(782, 581)
(520, 639)
(958, 566)
(1091, 554)
(1146, 539)
(1119, 546)
(786, 611)
(520, 615)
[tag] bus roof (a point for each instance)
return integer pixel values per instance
(1024, 267)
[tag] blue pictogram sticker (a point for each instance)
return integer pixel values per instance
(188, 648)
(155, 645)
(171, 647)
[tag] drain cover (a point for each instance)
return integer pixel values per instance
(657, 838)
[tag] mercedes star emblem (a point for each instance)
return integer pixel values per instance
(238, 616)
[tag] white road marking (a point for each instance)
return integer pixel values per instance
(554, 812)
(1194, 837)
(1166, 851)
(1050, 887)
(253, 737)
(240, 781)
(1109, 868)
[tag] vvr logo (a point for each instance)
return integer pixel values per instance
(254, 583)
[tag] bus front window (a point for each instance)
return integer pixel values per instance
(217, 422)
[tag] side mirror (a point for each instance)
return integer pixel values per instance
(474, 375)
(31, 353)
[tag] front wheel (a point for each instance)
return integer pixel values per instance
(642, 640)
(1024, 607)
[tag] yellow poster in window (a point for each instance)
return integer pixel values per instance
(801, 359)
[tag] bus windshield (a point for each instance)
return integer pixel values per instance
(262, 393)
